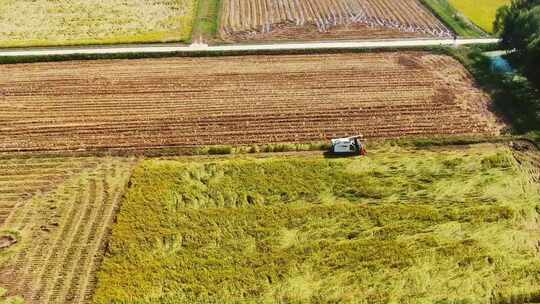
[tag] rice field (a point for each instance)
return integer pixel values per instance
(481, 12)
(400, 226)
(78, 22)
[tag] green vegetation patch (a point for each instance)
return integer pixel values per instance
(481, 12)
(399, 226)
(515, 98)
(205, 24)
(453, 19)
(77, 22)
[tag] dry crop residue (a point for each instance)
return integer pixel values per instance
(26, 23)
(62, 230)
(157, 103)
(528, 155)
(330, 19)
(23, 178)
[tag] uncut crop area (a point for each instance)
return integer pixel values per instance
(398, 226)
(65, 22)
(181, 102)
(312, 19)
(59, 211)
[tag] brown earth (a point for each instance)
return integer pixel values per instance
(270, 20)
(309, 32)
(156, 103)
(6, 241)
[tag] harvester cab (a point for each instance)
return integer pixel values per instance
(348, 146)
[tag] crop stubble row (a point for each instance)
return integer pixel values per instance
(528, 155)
(22, 179)
(236, 100)
(282, 19)
(63, 228)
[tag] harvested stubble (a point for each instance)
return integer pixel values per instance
(23, 178)
(61, 232)
(156, 103)
(528, 154)
(292, 19)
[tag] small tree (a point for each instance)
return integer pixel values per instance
(518, 24)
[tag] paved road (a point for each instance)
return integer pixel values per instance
(496, 53)
(170, 48)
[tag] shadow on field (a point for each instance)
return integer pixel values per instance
(328, 154)
(514, 97)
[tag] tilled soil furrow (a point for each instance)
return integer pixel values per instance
(238, 100)
(331, 19)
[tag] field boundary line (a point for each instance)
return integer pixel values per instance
(202, 48)
(115, 190)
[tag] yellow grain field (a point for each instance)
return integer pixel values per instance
(481, 12)
(75, 22)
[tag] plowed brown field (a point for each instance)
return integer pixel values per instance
(330, 19)
(153, 103)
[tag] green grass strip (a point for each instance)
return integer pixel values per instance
(206, 21)
(453, 19)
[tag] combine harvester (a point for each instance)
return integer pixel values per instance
(350, 146)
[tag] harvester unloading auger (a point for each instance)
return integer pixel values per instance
(349, 146)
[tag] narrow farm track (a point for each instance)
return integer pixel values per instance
(329, 19)
(63, 233)
(153, 103)
(172, 48)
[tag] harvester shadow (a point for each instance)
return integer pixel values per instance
(329, 154)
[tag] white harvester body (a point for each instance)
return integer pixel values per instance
(348, 146)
